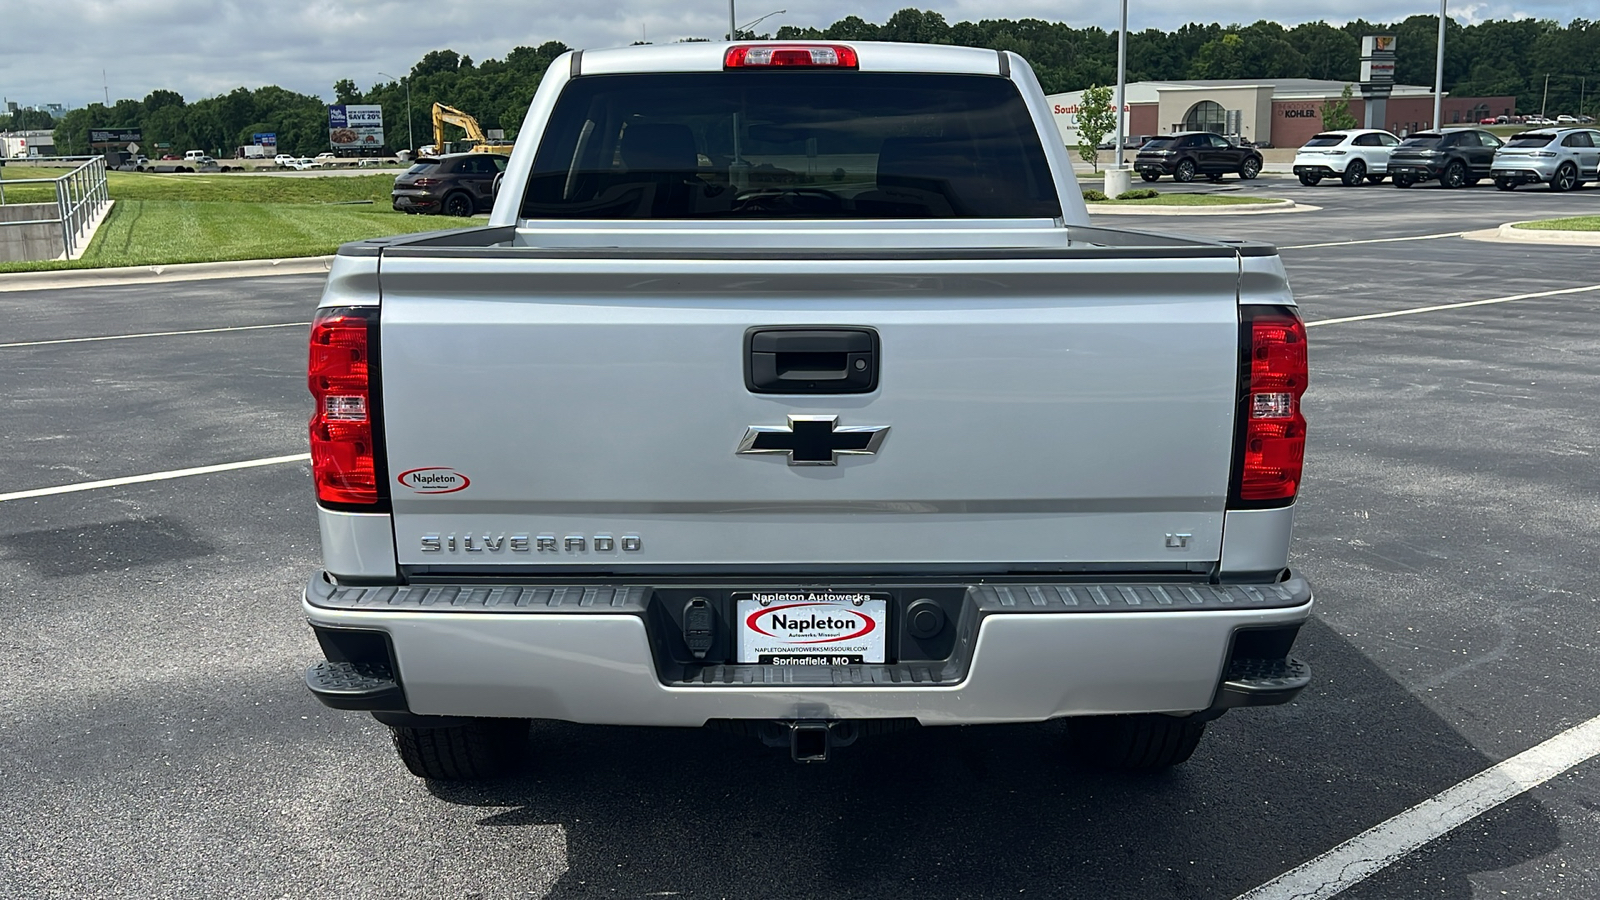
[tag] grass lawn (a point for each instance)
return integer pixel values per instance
(1576, 223)
(163, 232)
(211, 187)
(1186, 200)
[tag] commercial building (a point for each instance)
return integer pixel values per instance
(1278, 112)
(17, 144)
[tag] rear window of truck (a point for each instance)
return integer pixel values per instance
(809, 145)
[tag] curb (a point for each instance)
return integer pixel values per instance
(254, 268)
(1510, 234)
(1242, 209)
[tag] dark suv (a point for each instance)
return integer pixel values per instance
(1189, 153)
(1457, 157)
(458, 184)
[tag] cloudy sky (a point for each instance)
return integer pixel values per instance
(52, 51)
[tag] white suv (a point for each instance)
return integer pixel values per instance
(1351, 154)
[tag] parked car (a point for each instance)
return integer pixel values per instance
(457, 184)
(1456, 157)
(1566, 120)
(326, 157)
(1563, 159)
(283, 160)
(1189, 153)
(1349, 154)
(1490, 120)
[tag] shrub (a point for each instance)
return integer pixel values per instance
(1094, 196)
(1139, 194)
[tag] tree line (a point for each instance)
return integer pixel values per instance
(1490, 58)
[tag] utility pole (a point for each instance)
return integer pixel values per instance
(106, 85)
(1438, 74)
(733, 27)
(1546, 101)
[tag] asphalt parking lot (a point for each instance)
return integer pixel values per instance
(156, 740)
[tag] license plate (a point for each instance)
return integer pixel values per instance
(811, 628)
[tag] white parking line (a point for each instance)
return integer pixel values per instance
(1369, 852)
(145, 334)
(1394, 240)
(1465, 303)
(154, 476)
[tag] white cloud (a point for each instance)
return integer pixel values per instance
(52, 51)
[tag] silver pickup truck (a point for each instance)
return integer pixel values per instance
(788, 390)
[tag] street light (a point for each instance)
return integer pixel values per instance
(411, 141)
(1122, 84)
(749, 25)
(1438, 74)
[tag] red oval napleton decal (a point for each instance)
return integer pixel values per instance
(867, 628)
(433, 480)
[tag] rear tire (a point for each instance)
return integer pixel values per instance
(1354, 173)
(1185, 172)
(1566, 178)
(1310, 180)
(1150, 176)
(1404, 181)
(1376, 179)
(484, 748)
(1142, 743)
(1506, 184)
(457, 204)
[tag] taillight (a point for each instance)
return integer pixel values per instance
(831, 56)
(1270, 445)
(425, 182)
(341, 373)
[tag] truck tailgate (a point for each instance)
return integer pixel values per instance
(1053, 410)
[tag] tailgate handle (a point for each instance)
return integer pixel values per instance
(808, 359)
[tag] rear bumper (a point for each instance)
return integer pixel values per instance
(1023, 653)
(1526, 173)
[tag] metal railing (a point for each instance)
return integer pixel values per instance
(80, 196)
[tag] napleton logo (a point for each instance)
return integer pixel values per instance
(803, 623)
(434, 480)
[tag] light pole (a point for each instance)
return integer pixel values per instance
(749, 25)
(1546, 101)
(1438, 74)
(411, 142)
(1122, 83)
(733, 27)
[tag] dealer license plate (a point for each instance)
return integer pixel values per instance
(811, 628)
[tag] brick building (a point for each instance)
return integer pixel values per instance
(1280, 112)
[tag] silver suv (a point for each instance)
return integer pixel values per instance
(1562, 158)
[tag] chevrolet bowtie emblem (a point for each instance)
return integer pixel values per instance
(813, 440)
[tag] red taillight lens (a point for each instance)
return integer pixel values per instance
(1272, 440)
(426, 182)
(831, 56)
(340, 371)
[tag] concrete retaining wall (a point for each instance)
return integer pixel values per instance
(22, 243)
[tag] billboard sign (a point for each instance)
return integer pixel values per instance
(352, 127)
(115, 135)
(265, 138)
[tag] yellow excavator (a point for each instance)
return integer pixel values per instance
(478, 141)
